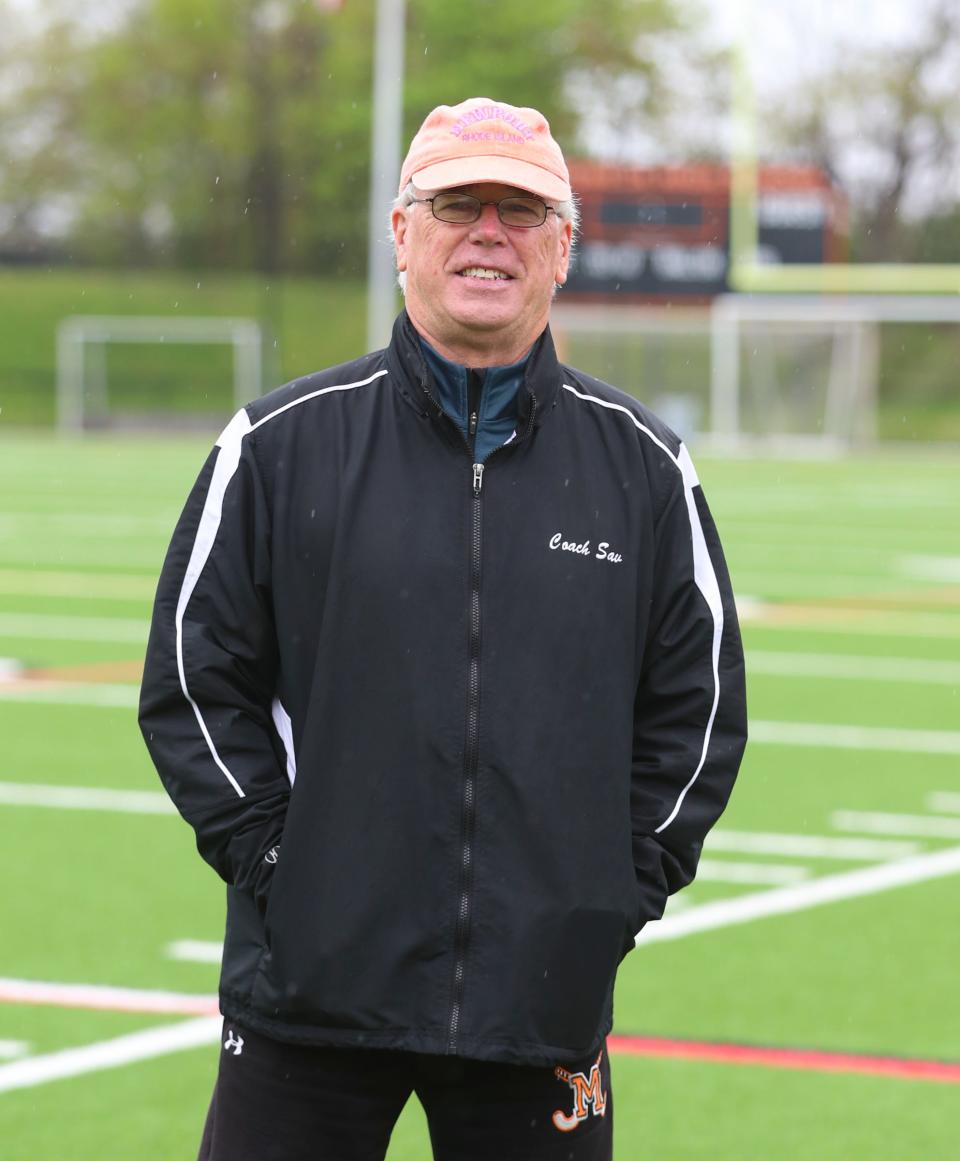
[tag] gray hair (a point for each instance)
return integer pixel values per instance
(566, 211)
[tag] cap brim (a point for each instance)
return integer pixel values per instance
(491, 168)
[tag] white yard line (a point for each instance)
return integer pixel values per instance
(841, 619)
(805, 846)
(129, 1049)
(849, 737)
(786, 900)
(29, 582)
(96, 695)
(195, 950)
(908, 825)
(11, 1049)
(815, 734)
(85, 523)
(765, 874)
(854, 667)
(132, 554)
(55, 627)
(85, 798)
(102, 998)
(944, 801)
(681, 902)
(935, 568)
(809, 584)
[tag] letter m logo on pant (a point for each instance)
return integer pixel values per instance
(587, 1093)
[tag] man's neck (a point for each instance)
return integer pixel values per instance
(495, 350)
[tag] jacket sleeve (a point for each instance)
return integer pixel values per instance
(690, 723)
(210, 675)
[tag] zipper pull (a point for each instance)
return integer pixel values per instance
(477, 478)
(473, 424)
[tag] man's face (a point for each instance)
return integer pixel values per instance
(466, 314)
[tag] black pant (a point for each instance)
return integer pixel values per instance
(283, 1102)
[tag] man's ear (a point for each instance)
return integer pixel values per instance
(564, 243)
(398, 220)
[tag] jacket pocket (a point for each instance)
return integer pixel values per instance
(574, 968)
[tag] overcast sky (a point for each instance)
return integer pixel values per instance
(790, 39)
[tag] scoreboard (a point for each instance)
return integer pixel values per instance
(649, 235)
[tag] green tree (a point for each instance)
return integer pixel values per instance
(237, 132)
(886, 121)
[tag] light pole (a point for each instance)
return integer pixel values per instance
(384, 166)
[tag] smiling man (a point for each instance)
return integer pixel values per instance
(446, 675)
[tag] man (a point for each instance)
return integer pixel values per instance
(446, 675)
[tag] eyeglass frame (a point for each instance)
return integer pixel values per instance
(480, 204)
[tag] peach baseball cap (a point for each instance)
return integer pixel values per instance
(484, 140)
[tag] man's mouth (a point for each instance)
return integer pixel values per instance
(484, 272)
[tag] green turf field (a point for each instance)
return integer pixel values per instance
(825, 918)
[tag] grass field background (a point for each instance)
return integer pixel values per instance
(848, 573)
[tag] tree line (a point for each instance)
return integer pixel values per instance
(236, 133)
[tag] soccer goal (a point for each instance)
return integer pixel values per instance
(86, 399)
(806, 369)
(798, 374)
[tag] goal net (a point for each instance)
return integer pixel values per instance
(811, 373)
(144, 371)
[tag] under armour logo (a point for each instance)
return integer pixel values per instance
(272, 855)
(233, 1042)
(587, 1093)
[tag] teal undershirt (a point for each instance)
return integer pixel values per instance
(497, 414)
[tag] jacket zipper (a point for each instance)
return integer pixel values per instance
(471, 761)
(471, 758)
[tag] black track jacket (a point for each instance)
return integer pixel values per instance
(450, 732)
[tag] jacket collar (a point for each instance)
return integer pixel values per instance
(497, 399)
(409, 372)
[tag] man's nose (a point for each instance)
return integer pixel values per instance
(488, 226)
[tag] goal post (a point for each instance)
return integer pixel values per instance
(747, 274)
(794, 374)
(82, 397)
(849, 328)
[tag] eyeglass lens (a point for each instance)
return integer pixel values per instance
(463, 208)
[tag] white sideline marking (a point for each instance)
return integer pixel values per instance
(30, 582)
(856, 667)
(721, 871)
(54, 627)
(934, 568)
(195, 950)
(805, 846)
(11, 1049)
(97, 695)
(785, 900)
(85, 798)
(944, 801)
(101, 998)
(109, 1053)
(845, 737)
(910, 825)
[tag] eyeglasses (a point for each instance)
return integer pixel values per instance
(460, 209)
